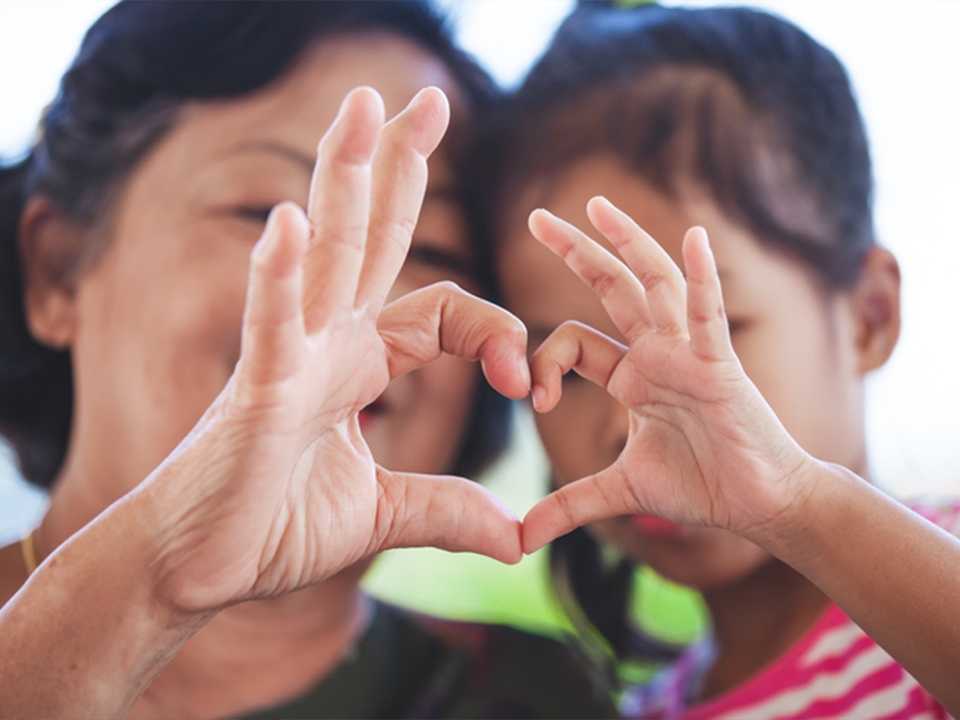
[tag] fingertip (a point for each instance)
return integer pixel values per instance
(367, 100)
(436, 98)
(698, 256)
(537, 219)
(598, 201)
(269, 238)
(514, 554)
(431, 112)
(356, 129)
(605, 216)
(290, 215)
(524, 374)
(699, 235)
(507, 374)
(697, 241)
(532, 541)
(539, 398)
(291, 230)
(596, 206)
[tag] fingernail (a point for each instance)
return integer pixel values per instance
(532, 216)
(269, 230)
(422, 93)
(539, 397)
(524, 372)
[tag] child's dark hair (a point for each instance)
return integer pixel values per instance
(138, 64)
(739, 105)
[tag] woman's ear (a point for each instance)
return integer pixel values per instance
(876, 308)
(49, 250)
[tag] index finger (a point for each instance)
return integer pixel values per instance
(442, 318)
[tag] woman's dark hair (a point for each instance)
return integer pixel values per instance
(736, 105)
(137, 66)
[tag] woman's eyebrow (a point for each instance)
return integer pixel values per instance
(440, 191)
(296, 156)
(442, 258)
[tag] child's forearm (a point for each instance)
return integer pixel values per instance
(894, 573)
(87, 633)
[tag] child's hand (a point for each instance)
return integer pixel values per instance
(704, 447)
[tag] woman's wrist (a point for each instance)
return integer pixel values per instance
(89, 628)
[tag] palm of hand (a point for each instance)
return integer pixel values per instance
(330, 497)
(683, 440)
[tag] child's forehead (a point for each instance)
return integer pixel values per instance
(749, 269)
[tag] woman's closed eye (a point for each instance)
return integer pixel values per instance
(252, 213)
(427, 264)
(441, 260)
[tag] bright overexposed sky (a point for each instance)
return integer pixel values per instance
(903, 59)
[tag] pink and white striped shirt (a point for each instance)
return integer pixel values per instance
(834, 671)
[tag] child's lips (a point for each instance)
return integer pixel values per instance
(654, 526)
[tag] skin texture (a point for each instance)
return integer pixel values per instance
(154, 324)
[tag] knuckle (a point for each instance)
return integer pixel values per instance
(448, 287)
(565, 505)
(570, 328)
(601, 282)
(651, 279)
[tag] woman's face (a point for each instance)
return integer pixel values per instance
(158, 316)
(789, 334)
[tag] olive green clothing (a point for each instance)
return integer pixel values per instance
(407, 665)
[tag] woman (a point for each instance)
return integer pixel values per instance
(128, 233)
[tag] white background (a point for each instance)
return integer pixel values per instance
(903, 58)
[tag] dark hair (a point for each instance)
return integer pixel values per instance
(741, 104)
(137, 65)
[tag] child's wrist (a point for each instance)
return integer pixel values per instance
(815, 495)
(788, 502)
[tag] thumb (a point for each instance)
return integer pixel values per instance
(447, 512)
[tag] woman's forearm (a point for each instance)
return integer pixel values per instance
(88, 632)
(894, 573)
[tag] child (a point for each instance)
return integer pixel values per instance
(737, 467)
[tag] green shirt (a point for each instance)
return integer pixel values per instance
(408, 665)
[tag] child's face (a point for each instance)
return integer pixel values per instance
(795, 340)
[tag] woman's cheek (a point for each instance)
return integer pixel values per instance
(442, 399)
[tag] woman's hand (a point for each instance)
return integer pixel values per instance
(275, 488)
(704, 447)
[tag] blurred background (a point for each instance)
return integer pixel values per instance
(902, 58)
